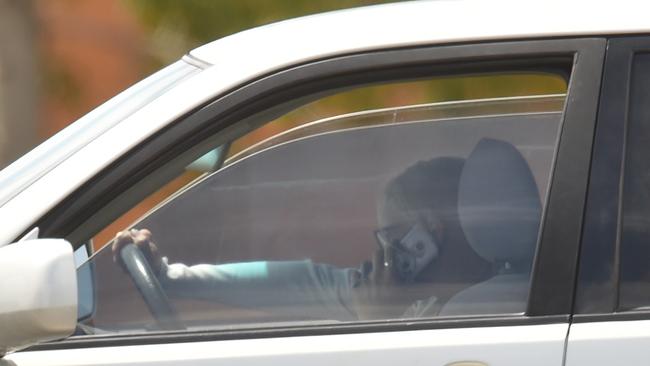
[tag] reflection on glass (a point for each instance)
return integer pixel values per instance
(377, 212)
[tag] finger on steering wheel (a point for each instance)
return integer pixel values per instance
(122, 238)
(142, 239)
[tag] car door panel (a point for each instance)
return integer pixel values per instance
(534, 345)
(608, 343)
(611, 324)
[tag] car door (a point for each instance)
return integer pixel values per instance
(471, 165)
(612, 298)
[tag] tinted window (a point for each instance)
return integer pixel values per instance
(414, 210)
(634, 289)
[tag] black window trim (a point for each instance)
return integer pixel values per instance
(552, 286)
(605, 196)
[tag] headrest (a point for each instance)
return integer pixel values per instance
(498, 203)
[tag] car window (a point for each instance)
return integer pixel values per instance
(406, 200)
(438, 97)
(634, 277)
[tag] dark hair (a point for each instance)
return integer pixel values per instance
(425, 187)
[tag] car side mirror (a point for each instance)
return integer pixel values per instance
(38, 293)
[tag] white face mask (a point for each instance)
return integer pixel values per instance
(411, 253)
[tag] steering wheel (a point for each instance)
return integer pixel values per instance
(149, 287)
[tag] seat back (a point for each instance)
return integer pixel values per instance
(499, 211)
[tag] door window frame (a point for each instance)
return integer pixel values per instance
(598, 299)
(554, 271)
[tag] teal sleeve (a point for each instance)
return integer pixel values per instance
(299, 289)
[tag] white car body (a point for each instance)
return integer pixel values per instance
(36, 183)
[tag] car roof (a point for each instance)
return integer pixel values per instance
(258, 51)
(417, 23)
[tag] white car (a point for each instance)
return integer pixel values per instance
(440, 183)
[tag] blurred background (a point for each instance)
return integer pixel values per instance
(60, 59)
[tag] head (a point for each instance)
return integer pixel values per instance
(415, 215)
(420, 205)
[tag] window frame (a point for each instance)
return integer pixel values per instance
(553, 277)
(601, 244)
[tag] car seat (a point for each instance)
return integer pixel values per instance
(499, 211)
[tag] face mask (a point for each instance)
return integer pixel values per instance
(410, 252)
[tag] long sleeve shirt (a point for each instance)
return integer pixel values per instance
(298, 289)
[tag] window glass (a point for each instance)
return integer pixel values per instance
(439, 98)
(634, 291)
(404, 205)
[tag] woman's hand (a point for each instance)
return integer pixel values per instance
(142, 239)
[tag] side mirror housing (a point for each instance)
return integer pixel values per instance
(38, 293)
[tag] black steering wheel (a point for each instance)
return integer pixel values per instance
(149, 287)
